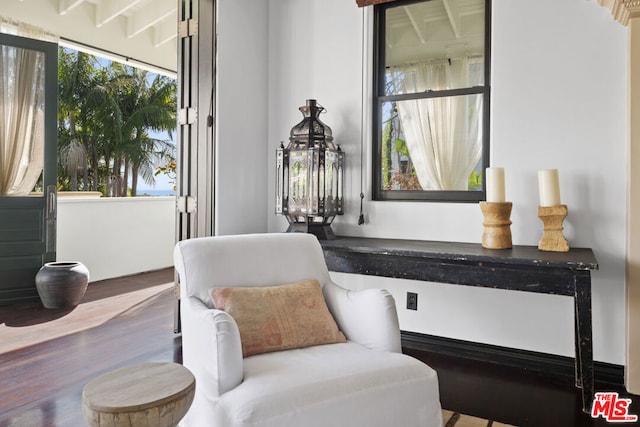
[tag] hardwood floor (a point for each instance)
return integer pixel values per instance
(512, 395)
(41, 385)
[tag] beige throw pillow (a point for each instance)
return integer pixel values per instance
(273, 318)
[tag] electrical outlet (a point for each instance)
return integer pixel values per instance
(412, 301)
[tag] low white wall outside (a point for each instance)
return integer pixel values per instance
(116, 236)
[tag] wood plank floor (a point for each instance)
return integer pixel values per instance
(513, 395)
(41, 385)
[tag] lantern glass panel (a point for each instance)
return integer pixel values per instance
(285, 183)
(298, 181)
(313, 201)
(340, 173)
(321, 182)
(279, 181)
(331, 173)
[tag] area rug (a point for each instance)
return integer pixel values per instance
(19, 334)
(455, 419)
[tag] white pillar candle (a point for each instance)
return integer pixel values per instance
(495, 185)
(549, 187)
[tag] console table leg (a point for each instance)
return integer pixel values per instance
(584, 343)
(578, 370)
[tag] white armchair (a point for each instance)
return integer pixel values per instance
(365, 381)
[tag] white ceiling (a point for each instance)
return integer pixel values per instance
(434, 30)
(145, 30)
(140, 30)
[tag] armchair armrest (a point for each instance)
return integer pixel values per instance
(368, 317)
(211, 347)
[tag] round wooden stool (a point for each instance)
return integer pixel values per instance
(151, 394)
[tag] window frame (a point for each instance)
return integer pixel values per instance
(379, 97)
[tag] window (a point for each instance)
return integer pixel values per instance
(431, 100)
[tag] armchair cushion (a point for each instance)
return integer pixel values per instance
(273, 318)
(368, 316)
(337, 385)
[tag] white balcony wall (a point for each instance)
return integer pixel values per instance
(116, 236)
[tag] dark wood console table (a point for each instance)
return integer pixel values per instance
(522, 268)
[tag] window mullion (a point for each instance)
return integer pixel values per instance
(433, 94)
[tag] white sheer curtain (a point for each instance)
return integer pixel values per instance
(443, 135)
(21, 110)
(22, 127)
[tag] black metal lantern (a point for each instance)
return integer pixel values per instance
(310, 176)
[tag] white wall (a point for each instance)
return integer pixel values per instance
(556, 103)
(241, 140)
(315, 53)
(116, 236)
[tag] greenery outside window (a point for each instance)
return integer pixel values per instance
(431, 100)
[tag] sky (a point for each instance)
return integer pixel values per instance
(163, 182)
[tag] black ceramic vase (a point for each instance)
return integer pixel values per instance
(62, 284)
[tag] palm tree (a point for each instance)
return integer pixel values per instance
(105, 117)
(142, 107)
(152, 109)
(75, 73)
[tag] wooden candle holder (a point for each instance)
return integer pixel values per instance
(552, 239)
(497, 225)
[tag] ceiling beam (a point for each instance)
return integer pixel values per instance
(454, 17)
(140, 21)
(414, 23)
(106, 10)
(165, 31)
(65, 6)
